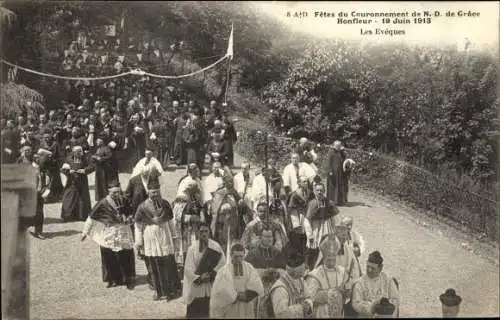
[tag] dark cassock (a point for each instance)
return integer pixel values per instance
(155, 236)
(120, 129)
(76, 197)
(52, 165)
(109, 226)
(231, 137)
(179, 147)
(158, 140)
(337, 178)
(138, 138)
(218, 146)
(102, 164)
(137, 191)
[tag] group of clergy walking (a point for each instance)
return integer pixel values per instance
(243, 251)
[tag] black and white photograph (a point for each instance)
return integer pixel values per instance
(247, 159)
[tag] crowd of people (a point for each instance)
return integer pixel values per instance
(252, 244)
(257, 243)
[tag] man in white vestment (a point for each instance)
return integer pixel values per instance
(147, 164)
(293, 172)
(354, 238)
(204, 259)
(326, 284)
(345, 255)
(372, 287)
(243, 181)
(236, 287)
(213, 182)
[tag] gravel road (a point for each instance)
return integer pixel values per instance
(65, 273)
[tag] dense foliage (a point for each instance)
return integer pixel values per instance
(433, 107)
(387, 176)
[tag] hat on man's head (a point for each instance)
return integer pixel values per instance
(154, 183)
(384, 308)
(375, 257)
(294, 258)
(450, 298)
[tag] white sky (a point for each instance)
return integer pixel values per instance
(482, 30)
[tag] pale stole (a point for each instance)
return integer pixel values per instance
(226, 287)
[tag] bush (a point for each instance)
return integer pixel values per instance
(389, 177)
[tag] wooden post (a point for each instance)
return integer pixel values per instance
(267, 177)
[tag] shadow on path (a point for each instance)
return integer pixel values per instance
(52, 220)
(64, 233)
(356, 204)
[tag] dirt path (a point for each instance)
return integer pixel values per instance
(65, 274)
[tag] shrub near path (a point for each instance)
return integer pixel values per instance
(65, 274)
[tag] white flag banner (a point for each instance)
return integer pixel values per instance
(230, 45)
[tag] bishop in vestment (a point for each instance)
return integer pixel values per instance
(109, 226)
(327, 284)
(155, 237)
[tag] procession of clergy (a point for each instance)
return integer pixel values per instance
(248, 244)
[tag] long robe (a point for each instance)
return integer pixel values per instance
(231, 137)
(139, 141)
(197, 294)
(319, 221)
(332, 280)
(287, 295)
(264, 259)
(187, 205)
(232, 219)
(226, 287)
(53, 169)
(136, 192)
(155, 230)
(367, 290)
(107, 227)
(350, 263)
(337, 178)
(102, 169)
(179, 147)
(76, 197)
(211, 184)
(297, 207)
